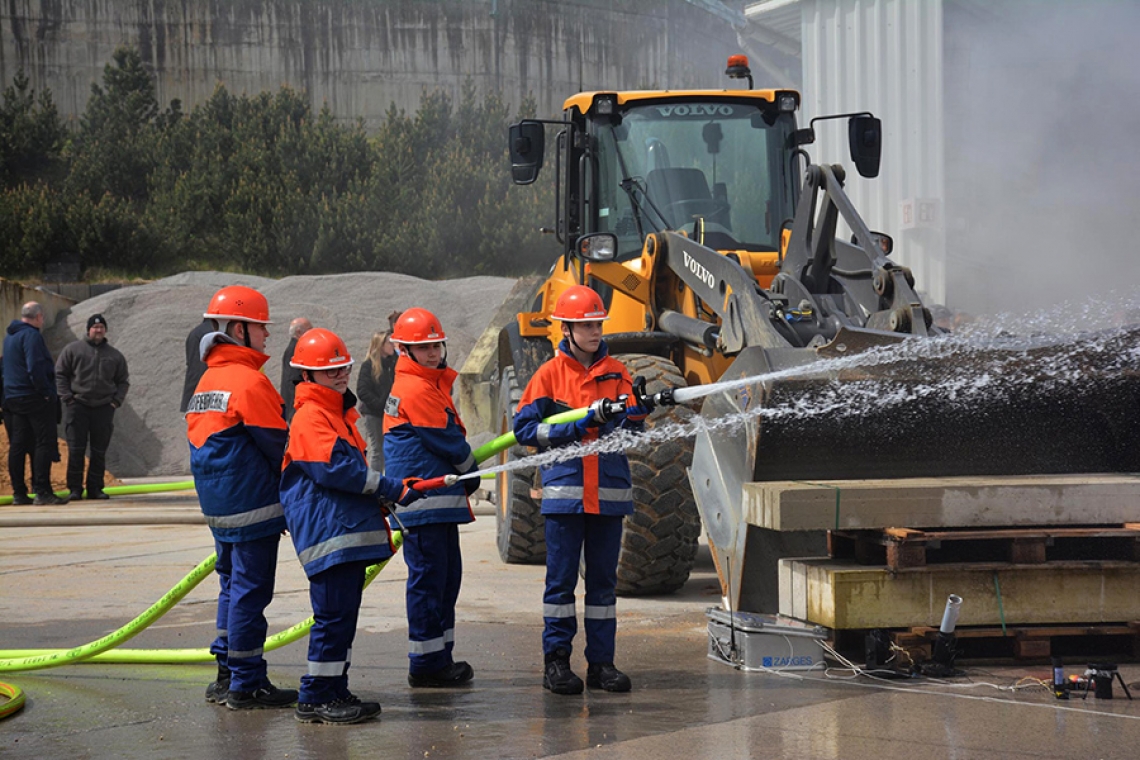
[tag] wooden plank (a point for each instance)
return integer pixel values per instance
(965, 502)
(1027, 551)
(1031, 649)
(843, 595)
(905, 555)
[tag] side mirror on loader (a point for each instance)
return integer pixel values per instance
(865, 136)
(527, 142)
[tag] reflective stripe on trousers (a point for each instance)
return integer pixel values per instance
(434, 645)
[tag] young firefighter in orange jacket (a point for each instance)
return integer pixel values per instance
(330, 499)
(423, 436)
(584, 500)
(237, 438)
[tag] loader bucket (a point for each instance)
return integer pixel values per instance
(922, 408)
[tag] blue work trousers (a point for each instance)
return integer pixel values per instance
(246, 573)
(566, 537)
(335, 594)
(435, 572)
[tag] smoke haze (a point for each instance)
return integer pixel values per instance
(1042, 154)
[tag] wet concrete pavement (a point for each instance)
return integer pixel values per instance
(66, 585)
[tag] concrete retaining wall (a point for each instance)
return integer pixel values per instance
(361, 56)
(14, 295)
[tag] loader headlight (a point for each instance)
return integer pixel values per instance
(598, 246)
(604, 105)
(787, 102)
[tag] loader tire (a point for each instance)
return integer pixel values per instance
(659, 543)
(520, 528)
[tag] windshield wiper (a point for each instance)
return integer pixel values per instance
(629, 185)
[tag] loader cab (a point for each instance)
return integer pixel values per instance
(715, 165)
(635, 163)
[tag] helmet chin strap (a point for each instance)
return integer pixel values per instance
(574, 343)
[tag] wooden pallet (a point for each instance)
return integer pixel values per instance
(1119, 642)
(908, 548)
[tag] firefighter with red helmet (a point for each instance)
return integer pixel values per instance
(237, 441)
(330, 498)
(423, 436)
(584, 500)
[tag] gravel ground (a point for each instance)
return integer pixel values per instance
(149, 324)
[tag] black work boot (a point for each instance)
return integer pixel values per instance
(603, 675)
(217, 692)
(340, 711)
(558, 677)
(453, 675)
(50, 498)
(265, 697)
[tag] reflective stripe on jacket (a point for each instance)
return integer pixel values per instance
(594, 484)
(237, 439)
(327, 488)
(424, 438)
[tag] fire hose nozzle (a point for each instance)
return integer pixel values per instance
(431, 484)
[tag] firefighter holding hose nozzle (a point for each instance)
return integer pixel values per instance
(584, 500)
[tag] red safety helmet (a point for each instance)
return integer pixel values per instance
(237, 303)
(417, 326)
(320, 349)
(579, 303)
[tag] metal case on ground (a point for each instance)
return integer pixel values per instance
(764, 642)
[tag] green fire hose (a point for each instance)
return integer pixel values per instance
(96, 651)
(182, 485)
(505, 441)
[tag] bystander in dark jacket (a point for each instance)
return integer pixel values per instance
(30, 406)
(195, 367)
(290, 376)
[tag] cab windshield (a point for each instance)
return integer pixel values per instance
(668, 164)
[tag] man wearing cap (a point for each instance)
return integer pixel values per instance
(92, 381)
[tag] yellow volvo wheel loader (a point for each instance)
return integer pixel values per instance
(699, 218)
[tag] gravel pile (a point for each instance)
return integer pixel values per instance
(149, 324)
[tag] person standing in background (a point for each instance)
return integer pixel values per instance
(92, 381)
(30, 403)
(290, 375)
(372, 389)
(195, 367)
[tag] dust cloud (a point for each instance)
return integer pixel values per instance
(1042, 156)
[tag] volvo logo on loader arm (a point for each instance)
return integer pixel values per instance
(699, 270)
